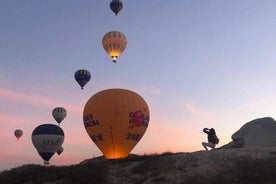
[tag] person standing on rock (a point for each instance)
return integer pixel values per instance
(211, 138)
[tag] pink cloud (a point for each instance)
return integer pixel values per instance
(24, 98)
(36, 100)
(264, 102)
(192, 108)
(12, 119)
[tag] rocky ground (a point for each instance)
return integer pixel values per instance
(249, 159)
(241, 165)
(181, 167)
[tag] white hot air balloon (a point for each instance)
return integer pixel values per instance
(59, 113)
(47, 139)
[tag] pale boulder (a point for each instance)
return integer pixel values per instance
(257, 133)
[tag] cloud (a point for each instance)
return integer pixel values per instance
(11, 119)
(153, 90)
(36, 100)
(261, 103)
(195, 110)
(24, 98)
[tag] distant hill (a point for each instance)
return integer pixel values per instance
(219, 166)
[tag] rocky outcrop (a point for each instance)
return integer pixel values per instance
(257, 133)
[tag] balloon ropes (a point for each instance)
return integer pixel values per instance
(18, 133)
(82, 77)
(116, 6)
(116, 120)
(47, 139)
(59, 113)
(114, 43)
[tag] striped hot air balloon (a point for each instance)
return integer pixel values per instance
(116, 6)
(114, 43)
(47, 139)
(82, 77)
(59, 113)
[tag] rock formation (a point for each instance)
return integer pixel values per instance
(257, 133)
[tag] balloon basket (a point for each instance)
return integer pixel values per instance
(46, 163)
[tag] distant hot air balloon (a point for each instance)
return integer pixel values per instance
(82, 77)
(59, 113)
(116, 6)
(114, 43)
(18, 133)
(47, 138)
(116, 120)
(60, 150)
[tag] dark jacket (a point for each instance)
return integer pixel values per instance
(211, 134)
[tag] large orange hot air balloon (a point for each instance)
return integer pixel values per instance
(114, 43)
(116, 120)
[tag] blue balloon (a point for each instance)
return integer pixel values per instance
(116, 6)
(47, 139)
(82, 77)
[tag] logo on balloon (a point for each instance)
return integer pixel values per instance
(138, 118)
(96, 138)
(89, 121)
(52, 142)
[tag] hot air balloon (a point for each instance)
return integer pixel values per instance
(60, 150)
(18, 133)
(116, 120)
(82, 77)
(114, 43)
(116, 6)
(47, 138)
(59, 113)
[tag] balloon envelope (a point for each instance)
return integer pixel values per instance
(18, 133)
(59, 113)
(60, 150)
(82, 77)
(116, 6)
(47, 138)
(116, 120)
(114, 43)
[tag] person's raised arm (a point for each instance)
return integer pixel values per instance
(206, 130)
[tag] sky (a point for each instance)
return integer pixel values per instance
(196, 63)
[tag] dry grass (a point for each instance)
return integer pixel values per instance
(146, 169)
(94, 173)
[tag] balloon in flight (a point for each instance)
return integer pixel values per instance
(116, 6)
(59, 113)
(60, 150)
(47, 139)
(82, 76)
(18, 133)
(116, 120)
(114, 43)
